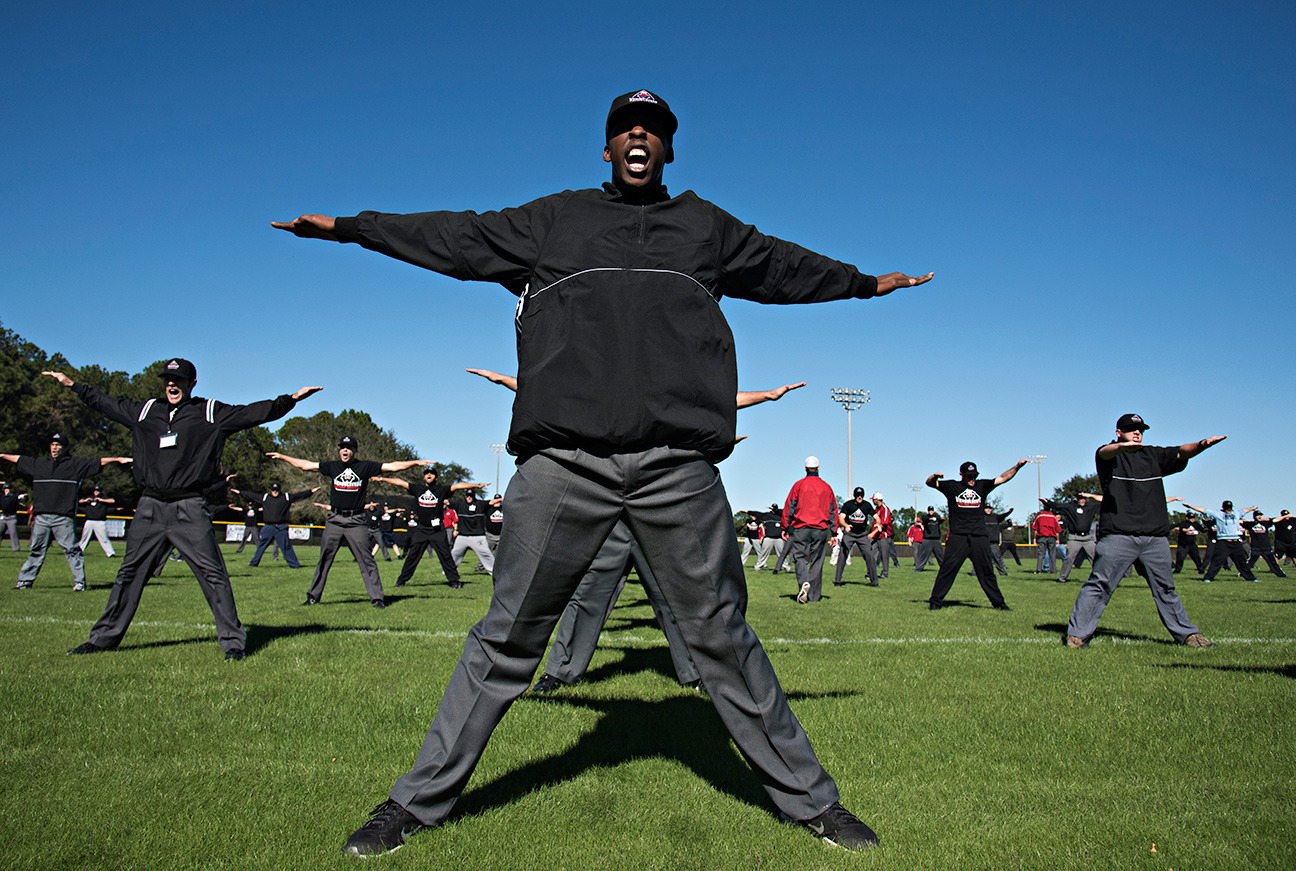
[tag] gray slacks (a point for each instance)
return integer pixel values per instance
(62, 530)
(352, 532)
(591, 606)
(1045, 553)
(1075, 545)
(156, 528)
(1116, 554)
(928, 549)
(562, 505)
(809, 547)
(865, 547)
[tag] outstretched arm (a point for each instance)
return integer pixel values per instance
(395, 482)
(309, 227)
(12, 458)
(402, 465)
(103, 461)
(304, 465)
(748, 398)
(464, 485)
(1189, 451)
(508, 381)
(892, 280)
(1007, 475)
(1196, 508)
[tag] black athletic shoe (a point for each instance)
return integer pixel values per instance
(379, 603)
(88, 647)
(400, 583)
(456, 585)
(388, 828)
(547, 684)
(841, 828)
(1002, 608)
(235, 656)
(933, 606)
(311, 600)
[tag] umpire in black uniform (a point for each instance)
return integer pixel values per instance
(177, 446)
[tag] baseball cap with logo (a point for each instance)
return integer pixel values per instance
(60, 439)
(178, 370)
(347, 442)
(968, 470)
(642, 98)
(274, 486)
(859, 491)
(1131, 422)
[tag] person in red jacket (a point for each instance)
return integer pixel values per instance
(1046, 529)
(810, 523)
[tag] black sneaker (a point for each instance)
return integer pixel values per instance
(547, 684)
(841, 828)
(456, 585)
(379, 603)
(88, 647)
(311, 600)
(388, 828)
(235, 656)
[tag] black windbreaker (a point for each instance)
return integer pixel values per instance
(621, 343)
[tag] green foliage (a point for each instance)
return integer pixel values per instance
(1074, 486)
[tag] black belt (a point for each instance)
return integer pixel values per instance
(355, 513)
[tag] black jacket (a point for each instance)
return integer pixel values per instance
(201, 427)
(56, 483)
(621, 343)
(274, 506)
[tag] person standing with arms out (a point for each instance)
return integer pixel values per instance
(1046, 529)
(999, 534)
(56, 480)
(250, 533)
(1079, 517)
(429, 533)
(274, 516)
(494, 521)
(345, 523)
(96, 522)
(967, 532)
(931, 547)
(883, 535)
(177, 445)
(472, 530)
(856, 520)
(1285, 536)
(915, 536)
(751, 537)
(1258, 529)
(1228, 539)
(10, 505)
(1135, 525)
(624, 282)
(771, 541)
(810, 525)
(1186, 542)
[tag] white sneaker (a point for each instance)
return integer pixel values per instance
(78, 588)
(804, 595)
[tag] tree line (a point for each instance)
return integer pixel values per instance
(33, 407)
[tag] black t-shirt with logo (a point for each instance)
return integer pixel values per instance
(1285, 530)
(472, 516)
(1188, 531)
(931, 526)
(430, 504)
(96, 509)
(495, 520)
(349, 482)
(751, 529)
(966, 505)
(1259, 532)
(859, 515)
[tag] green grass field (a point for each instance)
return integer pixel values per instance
(968, 738)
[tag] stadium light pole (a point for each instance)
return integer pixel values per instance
(850, 399)
(497, 450)
(915, 488)
(1038, 460)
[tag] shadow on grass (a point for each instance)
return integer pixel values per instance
(1288, 670)
(1061, 628)
(686, 730)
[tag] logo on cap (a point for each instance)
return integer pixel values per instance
(642, 97)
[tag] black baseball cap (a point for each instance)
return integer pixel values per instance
(60, 439)
(429, 468)
(1226, 505)
(1131, 422)
(178, 370)
(642, 99)
(274, 486)
(859, 491)
(347, 442)
(968, 470)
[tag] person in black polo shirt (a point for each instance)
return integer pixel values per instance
(96, 522)
(495, 521)
(1079, 517)
(428, 523)
(1134, 525)
(751, 538)
(930, 547)
(472, 530)
(967, 532)
(56, 479)
(274, 517)
(1258, 529)
(177, 450)
(10, 505)
(345, 524)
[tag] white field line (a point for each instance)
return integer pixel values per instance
(661, 641)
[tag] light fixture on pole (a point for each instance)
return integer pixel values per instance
(915, 488)
(1038, 460)
(497, 450)
(850, 399)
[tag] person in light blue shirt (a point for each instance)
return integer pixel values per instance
(1228, 542)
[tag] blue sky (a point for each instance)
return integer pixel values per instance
(1103, 190)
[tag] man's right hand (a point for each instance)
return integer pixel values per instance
(309, 227)
(60, 378)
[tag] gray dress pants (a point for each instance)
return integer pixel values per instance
(1116, 554)
(809, 547)
(352, 532)
(1075, 546)
(562, 505)
(62, 530)
(156, 528)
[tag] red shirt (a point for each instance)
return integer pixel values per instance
(815, 505)
(1045, 525)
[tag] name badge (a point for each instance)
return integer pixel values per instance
(168, 440)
